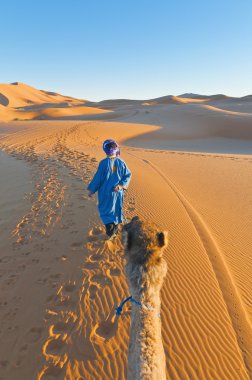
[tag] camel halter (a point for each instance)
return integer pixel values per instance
(131, 299)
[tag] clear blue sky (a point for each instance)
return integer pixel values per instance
(101, 49)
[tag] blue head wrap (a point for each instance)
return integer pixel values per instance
(109, 150)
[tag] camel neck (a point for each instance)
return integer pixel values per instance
(149, 298)
(146, 341)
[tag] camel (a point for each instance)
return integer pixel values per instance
(145, 270)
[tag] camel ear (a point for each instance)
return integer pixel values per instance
(135, 218)
(162, 239)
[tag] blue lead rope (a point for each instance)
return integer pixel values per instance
(130, 298)
(120, 307)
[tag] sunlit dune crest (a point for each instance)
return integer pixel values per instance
(20, 94)
(217, 109)
(174, 100)
(19, 101)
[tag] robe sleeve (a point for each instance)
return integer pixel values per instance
(125, 180)
(96, 182)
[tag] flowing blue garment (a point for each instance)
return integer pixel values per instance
(110, 173)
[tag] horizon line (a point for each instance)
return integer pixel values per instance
(129, 98)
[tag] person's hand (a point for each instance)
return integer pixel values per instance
(90, 194)
(118, 188)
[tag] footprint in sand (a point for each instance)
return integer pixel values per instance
(23, 348)
(21, 268)
(60, 327)
(21, 355)
(70, 223)
(77, 245)
(11, 280)
(35, 261)
(92, 291)
(3, 304)
(90, 265)
(130, 209)
(96, 231)
(100, 279)
(25, 253)
(34, 334)
(61, 258)
(64, 226)
(55, 276)
(55, 346)
(92, 238)
(41, 281)
(95, 257)
(115, 272)
(3, 364)
(70, 286)
(5, 259)
(105, 330)
(51, 372)
(95, 236)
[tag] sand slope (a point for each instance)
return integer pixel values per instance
(61, 281)
(20, 95)
(18, 101)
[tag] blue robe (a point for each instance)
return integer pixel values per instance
(110, 173)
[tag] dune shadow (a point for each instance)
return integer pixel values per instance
(4, 100)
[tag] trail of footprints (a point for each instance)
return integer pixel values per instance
(48, 198)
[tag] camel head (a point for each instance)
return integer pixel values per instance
(144, 244)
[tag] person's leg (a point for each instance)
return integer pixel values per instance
(110, 229)
(116, 229)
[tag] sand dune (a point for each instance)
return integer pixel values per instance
(174, 100)
(61, 281)
(20, 94)
(192, 127)
(19, 101)
(227, 112)
(207, 97)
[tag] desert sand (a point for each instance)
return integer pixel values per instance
(191, 161)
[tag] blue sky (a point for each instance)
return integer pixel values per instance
(98, 49)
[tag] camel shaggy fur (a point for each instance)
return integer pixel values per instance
(145, 271)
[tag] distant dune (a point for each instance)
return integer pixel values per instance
(174, 100)
(18, 101)
(19, 95)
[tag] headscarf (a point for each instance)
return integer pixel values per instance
(109, 150)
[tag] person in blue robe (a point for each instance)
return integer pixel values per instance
(111, 180)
